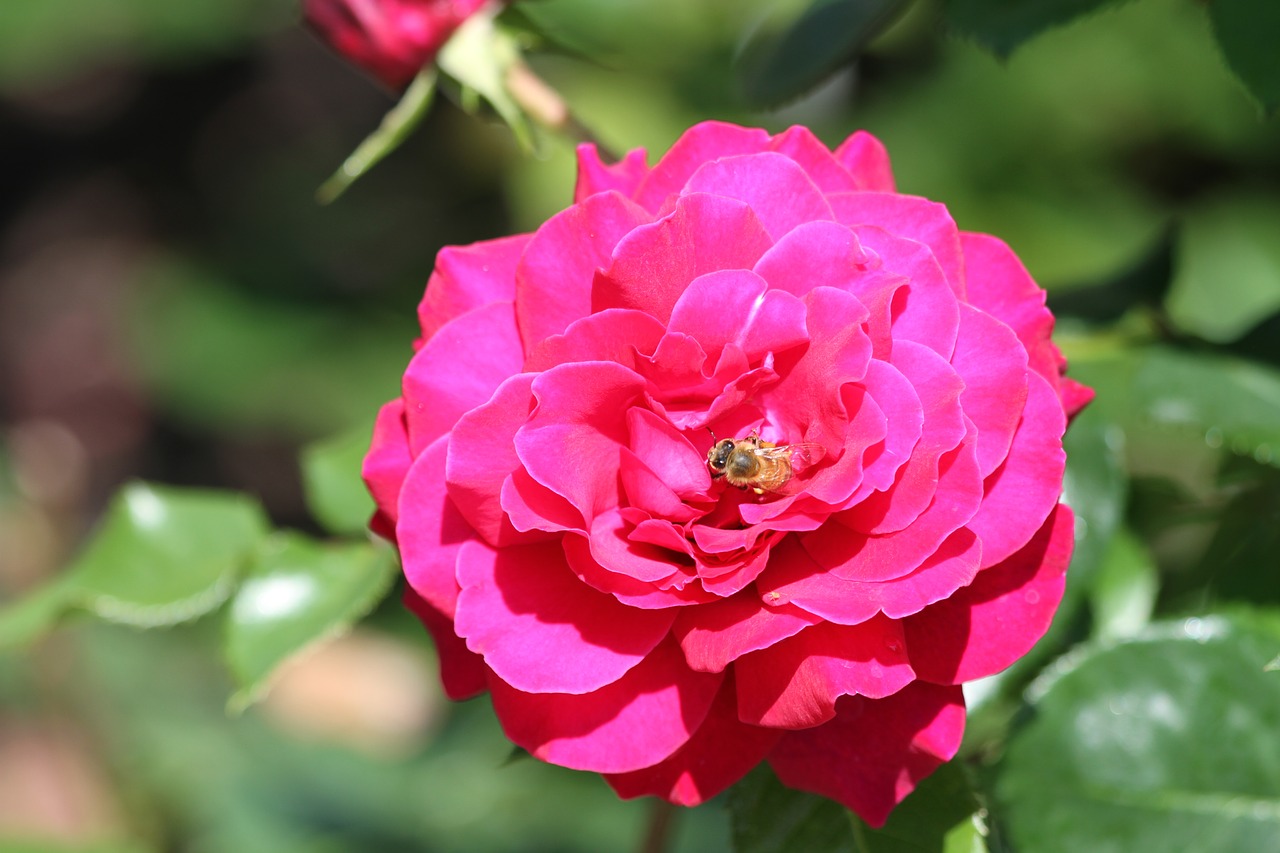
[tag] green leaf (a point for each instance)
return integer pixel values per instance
(1170, 742)
(1124, 594)
(161, 556)
(1248, 32)
(780, 63)
(768, 817)
(1227, 264)
(395, 128)
(1166, 396)
(297, 592)
(939, 816)
(166, 555)
(331, 478)
(1002, 25)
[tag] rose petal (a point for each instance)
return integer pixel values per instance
(925, 310)
(431, 531)
(481, 457)
(613, 335)
(993, 365)
(439, 387)
(553, 280)
(795, 579)
(654, 263)
(571, 441)
(531, 506)
(735, 306)
(1002, 287)
(1025, 488)
(799, 144)
(944, 427)
(908, 216)
(989, 624)
(385, 466)
(714, 635)
(676, 591)
(540, 629)
(613, 549)
(814, 254)
(867, 161)
(875, 751)
(636, 722)
(462, 671)
(718, 754)
(468, 277)
(662, 448)
(595, 177)
(794, 684)
(773, 185)
(697, 145)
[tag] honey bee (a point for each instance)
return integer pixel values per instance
(750, 463)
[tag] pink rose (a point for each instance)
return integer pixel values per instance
(391, 39)
(574, 549)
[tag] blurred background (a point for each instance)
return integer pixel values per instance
(175, 306)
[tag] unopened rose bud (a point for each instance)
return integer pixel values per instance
(391, 39)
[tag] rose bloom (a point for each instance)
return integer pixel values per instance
(546, 478)
(391, 39)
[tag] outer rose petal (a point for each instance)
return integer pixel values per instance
(714, 635)
(439, 389)
(636, 722)
(865, 158)
(462, 671)
(542, 630)
(813, 254)
(595, 177)
(988, 625)
(386, 464)
(432, 531)
(467, 277)
(1025, 489)
(553, 280)
(699, 144)
(875, 750)
(993, 366)
(720, 753)
(798, 143)
(912, 217)
(795, 683)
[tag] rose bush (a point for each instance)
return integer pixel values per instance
(545, 473)
(391, 39)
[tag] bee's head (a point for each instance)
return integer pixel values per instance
(718, 455)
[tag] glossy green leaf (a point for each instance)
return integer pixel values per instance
(1227, 264)
(160, 556)
(1248, 32)
(297, 592)
(1164, 395)
(1002, 25)
(779, 63)
(1169, 742)
(166, 555)
(940, 816)
(331, 477)
(394, 129)
(1123, 596)
(768, 817)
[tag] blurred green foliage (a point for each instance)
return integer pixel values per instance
(1119, 153)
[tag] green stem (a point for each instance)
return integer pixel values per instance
(661, 818)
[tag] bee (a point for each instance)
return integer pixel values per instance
(750, 463)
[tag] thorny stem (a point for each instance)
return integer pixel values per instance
(661, 817)
(545, 106)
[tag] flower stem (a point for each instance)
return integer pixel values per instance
(544, 105)
(661, 817)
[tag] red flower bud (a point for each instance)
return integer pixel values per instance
(391, 39)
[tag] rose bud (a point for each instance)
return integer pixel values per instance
(742, 457)
(391, 39)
